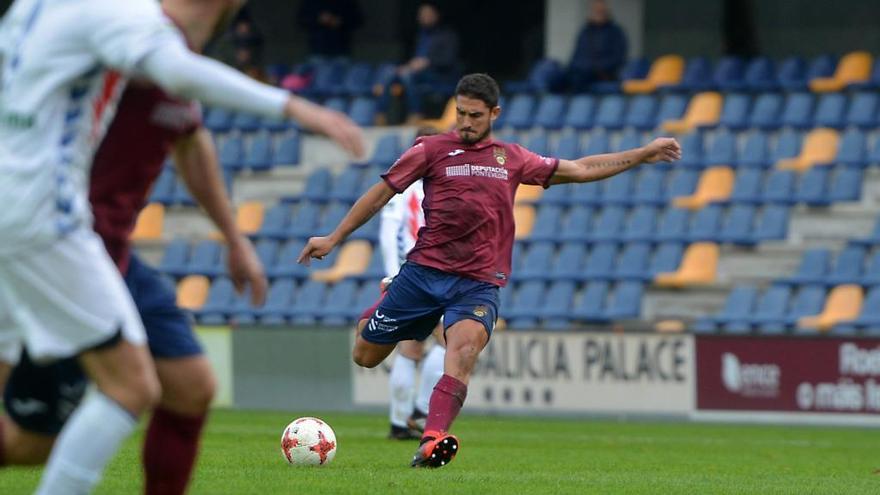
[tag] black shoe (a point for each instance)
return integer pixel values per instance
(401, 433)
(416, 421)
(436, 452)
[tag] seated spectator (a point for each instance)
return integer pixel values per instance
(330, 24)
(600, 50)
(247, 44)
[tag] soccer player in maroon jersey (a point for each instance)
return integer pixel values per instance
(149, 125)
(463, 253)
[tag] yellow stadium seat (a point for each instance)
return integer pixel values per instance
(249, 217)
(854, 67)
(527, 193)
(704, 109)
(820, 147)
(446, 121)
(844, 303)
(192, 291)
(524, 216)
(698, 267)
(354, 257)
(149, 223)
(666, 70)
(715, 184)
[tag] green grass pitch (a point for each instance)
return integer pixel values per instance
(240, 455)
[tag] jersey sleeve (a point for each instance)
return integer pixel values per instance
(537, 170)
(410, 167)
(122, 33)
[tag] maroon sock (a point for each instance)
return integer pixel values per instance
(446, 402)
(170, 449)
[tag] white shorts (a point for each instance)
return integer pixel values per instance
(63, 299)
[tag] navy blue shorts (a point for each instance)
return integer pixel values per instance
(419, 296)
(39, 398)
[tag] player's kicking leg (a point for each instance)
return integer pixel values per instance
(432, 370)
(402, 384)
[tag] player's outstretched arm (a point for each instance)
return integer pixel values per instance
(196, 160)
(363, 209)
(598, 167)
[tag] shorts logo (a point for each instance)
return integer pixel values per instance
(500, 155)
(27, 407)
(481, 311)
(381, 323)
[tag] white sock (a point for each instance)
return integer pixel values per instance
(432, 370)
(402, 383)
(86, 444)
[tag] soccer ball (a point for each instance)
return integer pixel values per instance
(308, 442)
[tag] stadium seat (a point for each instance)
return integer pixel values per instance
(765, 111)
(665, 71)
(697, 76)
(308, 303)
(846, 185)
(358, 81)
(285, 264)
(703, 110)
(550, 112)
(572, 255)
(192, 292)
(633, 262)
(625, 302)
(705, 224)
(610, 113)
(813, 187)
(641, 225)
(666, 258)
(163, 188)
(527, 193)
(672, 107)
(716, 184)
(747, 186)
(363, 111)
(673, 225)
(577, 223)
(217, 304)
(692, 151)
(521, 112)
(830, 111)
(556, 310)
(546, 223)
(736, 228)
(538, 142)
(698, 267)
(354, 256)
(872, 238)
(792, 74)
(527, 301)
(772, 224)
(813, 268)
(617, 190)
(249, 217)
(331, 216)
(149, 223)
(854, 67)
(734, 112)
(386, 152)
(682, 182)
(542, 78)
(339, 298)
(755, 151)
(524, 218)
(232, 153)
(259, 153)
(205, 259)
(779, 187)
(808, 301)
(599, 143)
(278, 300)
(175, 258)
(729, 74)
(324, 78)
(635, 68)
(760, 75)
(579, 114)
(318, 184)
(629, 139)
(608, 225)
(848, 266)
(599, 264)
(844, 304)
(862, 110)
(722, 151)
(649, 187)
(246, 122)
(797, 111)
(275, 222)
(770, 307)
(288, 150)
(218, 119)
(375, 268)
(304, 221)
(820, 148)
(591, 304)
(737, 307)
(820, 67)
(267, 251)
(345, 186)
(557, 195)
(853, 149)
(569, 146)
(537, 262)
(641, 113)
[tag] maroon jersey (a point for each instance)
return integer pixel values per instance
(147, 123)
(469, 190)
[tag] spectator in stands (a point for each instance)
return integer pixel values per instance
(330, 24)
(434, 66)
(600, 50)
(247, 42)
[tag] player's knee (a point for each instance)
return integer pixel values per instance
(363, 358)
(192, 397)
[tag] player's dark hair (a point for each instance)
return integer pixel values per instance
(480, 87)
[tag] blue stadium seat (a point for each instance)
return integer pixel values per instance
(735, 111)
(737, 225)
(846, 185)
(569, 146)
(874, 153)
(771, 307)
(220, 297)
(808, 301)
(641, 113)
(673, 225)
(591, 304)
(635, 68)
(367, 295)
(697, 76)
(813, 187)
(182, 195)
(649, 187)
(792, 74)
(331, 216)
(755, 151)
(547, 222)
(821, 66)
(871, 275)
(205, 259)
(363, 111)
(737, 307)
(527, 301)
(722, 151)
(358, 81)
(346, 185)
(599, 264)
(163, 189)
(259, 153)
(617, 190)
(872, 238)
(277, 125)
(779, 187)
(288, 150)
(788, 145)
(571, 256)
(797, 112)
(325, 77)
(580, 112)
(543, 77)
(610, 112)
(278, 300)
(556, 310)
(538, 142)
(640, 225)
(633, 262)
(232, 152)
(387, 151)
(175, 258)
(813, 268)
(556, 195)
(550, 112)
(682, 182)
(873, 81)
(672, 107)
(869, 317)
(692, 151)
(666, 258)
(625, 302)
(521, 112)
(629, 139)
(536, 264)
(218, 119)
(729, 74)
(608, 225)
(275, 222)
(337, 103)
(705, 224)
(766, 111)
(241, 311)
(304, 221)
(830, 111)
(863, 109)
(747, 186)
(853, 149)
(246, 122)
(772, 224)
(577, 224)
(339, 297)
(848, 266)
(375, 269)
(599, 143)
(267, 251)
(308, 303)
(318, 185)
(761, 75)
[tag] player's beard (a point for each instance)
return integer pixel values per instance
(465, 137)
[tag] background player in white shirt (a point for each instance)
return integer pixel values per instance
(63, 64)
(401, 219)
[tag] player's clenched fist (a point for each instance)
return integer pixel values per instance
(317, 247)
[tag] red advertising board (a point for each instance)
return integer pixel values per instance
(788, 374)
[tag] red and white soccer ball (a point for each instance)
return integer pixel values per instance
(308, 442)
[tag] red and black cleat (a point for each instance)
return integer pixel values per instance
(436, 451)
